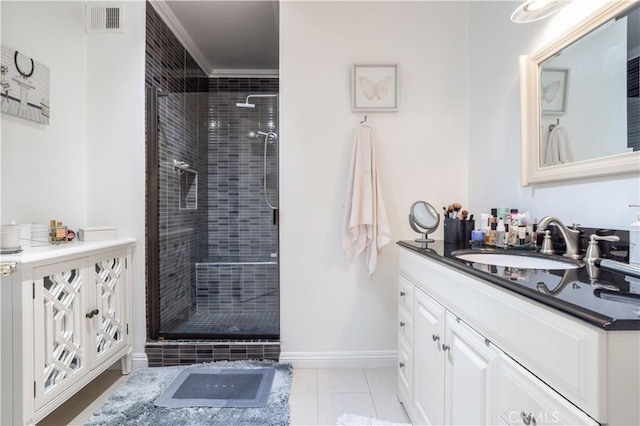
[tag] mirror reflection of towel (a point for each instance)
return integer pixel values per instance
(558, 148)
(366, 228)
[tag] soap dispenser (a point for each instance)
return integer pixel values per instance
(634, 240)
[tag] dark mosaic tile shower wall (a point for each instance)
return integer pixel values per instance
(181, 136)
(240, 221)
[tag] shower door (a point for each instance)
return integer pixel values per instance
(216, 238)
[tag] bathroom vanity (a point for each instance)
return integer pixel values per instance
(485, 345)
(65, 319)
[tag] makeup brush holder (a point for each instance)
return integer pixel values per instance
(451, 230)
(465, 228)
(457, 231)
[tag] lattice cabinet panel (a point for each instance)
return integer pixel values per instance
(111, 327)
(59, 328)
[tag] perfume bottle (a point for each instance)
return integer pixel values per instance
(58, 232)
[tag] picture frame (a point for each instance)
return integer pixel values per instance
(24, 84)
(553, 90)
(374, 88)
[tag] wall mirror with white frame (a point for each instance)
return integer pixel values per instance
(580, 100)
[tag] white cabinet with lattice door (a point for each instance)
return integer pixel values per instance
(65, 319)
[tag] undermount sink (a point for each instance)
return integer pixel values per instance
(522, 260)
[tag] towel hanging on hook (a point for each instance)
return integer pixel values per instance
(551, 126)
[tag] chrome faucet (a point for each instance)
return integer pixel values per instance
(571, 236)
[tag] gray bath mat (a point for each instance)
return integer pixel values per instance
(215, 387)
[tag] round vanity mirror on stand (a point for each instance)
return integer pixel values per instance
(424, 219)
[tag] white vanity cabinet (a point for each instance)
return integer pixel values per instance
(452, 370)
(65, 319)
(481, 355)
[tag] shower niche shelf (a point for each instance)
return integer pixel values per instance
(188, 185)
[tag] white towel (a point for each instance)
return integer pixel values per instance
(558, 149)
(366, 228)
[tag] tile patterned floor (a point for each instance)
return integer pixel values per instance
(318, 396)
(321, 396)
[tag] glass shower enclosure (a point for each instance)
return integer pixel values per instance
(212, 161)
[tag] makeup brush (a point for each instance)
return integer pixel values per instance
(456, 209)
(463, 215)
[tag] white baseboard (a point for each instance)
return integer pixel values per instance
(139, 360)
(352, 359)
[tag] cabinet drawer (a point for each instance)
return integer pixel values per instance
(405, 325)
(405, 293)
(405, 373)
(523, 399)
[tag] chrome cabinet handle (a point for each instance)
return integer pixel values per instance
(445, 347)
(402, 324)
(435, 337)
(401, 364)
(528, 418)
(93, 313)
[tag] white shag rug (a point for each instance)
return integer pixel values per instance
(357, 420)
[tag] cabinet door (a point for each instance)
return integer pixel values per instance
(59, 327)
(108, 312)
(428, 360)
(470, 372)
(523, 399)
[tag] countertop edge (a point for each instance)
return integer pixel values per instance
(593, 318)
(38, 254)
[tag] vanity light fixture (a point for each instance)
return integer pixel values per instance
(534, 10)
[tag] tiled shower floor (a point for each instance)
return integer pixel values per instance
(228, 323)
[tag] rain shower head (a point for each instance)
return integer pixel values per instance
(246, 103)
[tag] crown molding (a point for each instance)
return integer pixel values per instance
(179, 31)
(231, 72)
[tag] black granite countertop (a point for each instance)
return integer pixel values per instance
(608, 302)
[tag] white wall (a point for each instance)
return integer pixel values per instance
(87, 167)
(329, 306)
(44, 167)
(116, 145)
(494, 127)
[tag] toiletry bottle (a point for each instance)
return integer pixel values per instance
(492, 232)
(634, 240)
(58, 232)
(500, 233)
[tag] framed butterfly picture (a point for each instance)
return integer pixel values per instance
(374, 88)
(553, 90)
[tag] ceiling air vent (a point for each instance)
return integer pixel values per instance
(105, 17)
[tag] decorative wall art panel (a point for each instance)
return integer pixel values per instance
(374, 88)
(25, 86)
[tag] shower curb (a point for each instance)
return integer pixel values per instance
(185, 352)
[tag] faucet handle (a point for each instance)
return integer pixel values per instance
(547, 244)
(574, 227)
(612, 238)
(593, 251)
